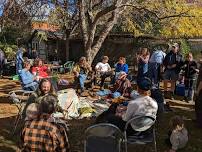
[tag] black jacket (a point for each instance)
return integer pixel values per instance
(172, 58)
(189, 69)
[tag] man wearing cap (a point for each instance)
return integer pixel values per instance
(172, 62)
(142, 105)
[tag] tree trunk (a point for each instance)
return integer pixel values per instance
(89, 55)
(92, 50)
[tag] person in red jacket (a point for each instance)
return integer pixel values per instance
(40, 70)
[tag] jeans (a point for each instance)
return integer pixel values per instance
(82, 78)
(18, 67)
(154, 73)
(31, 87)
(104, 76)
(189, 88)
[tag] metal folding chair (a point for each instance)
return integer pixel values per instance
(144, 131)
(17, 97)
(104, 137)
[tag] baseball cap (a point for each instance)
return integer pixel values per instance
(175, 45)
(144, 84)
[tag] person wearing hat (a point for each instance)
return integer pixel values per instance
(142, 105)
(173, 63)
(122, 86)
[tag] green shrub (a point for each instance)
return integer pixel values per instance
(10, 50)
(185, 47)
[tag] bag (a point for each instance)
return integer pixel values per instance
(180, 90)
(15, 77)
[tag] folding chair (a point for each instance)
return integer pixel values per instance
(141, 124)
(17, 97)
(104, 137)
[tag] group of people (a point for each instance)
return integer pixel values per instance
(44, 132)
(102, 71)
(170, 68)
(31, 75)
(173, 67)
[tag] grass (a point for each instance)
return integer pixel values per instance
(10, 143)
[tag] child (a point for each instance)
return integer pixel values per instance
(190, 71)
(179, 134)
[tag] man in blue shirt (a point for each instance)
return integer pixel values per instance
(155, 63)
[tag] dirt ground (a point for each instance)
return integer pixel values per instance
(10, 143)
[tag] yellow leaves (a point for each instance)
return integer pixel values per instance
(133, 27)
(176, 18)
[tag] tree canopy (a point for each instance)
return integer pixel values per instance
(169, 18)
(93, 20)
